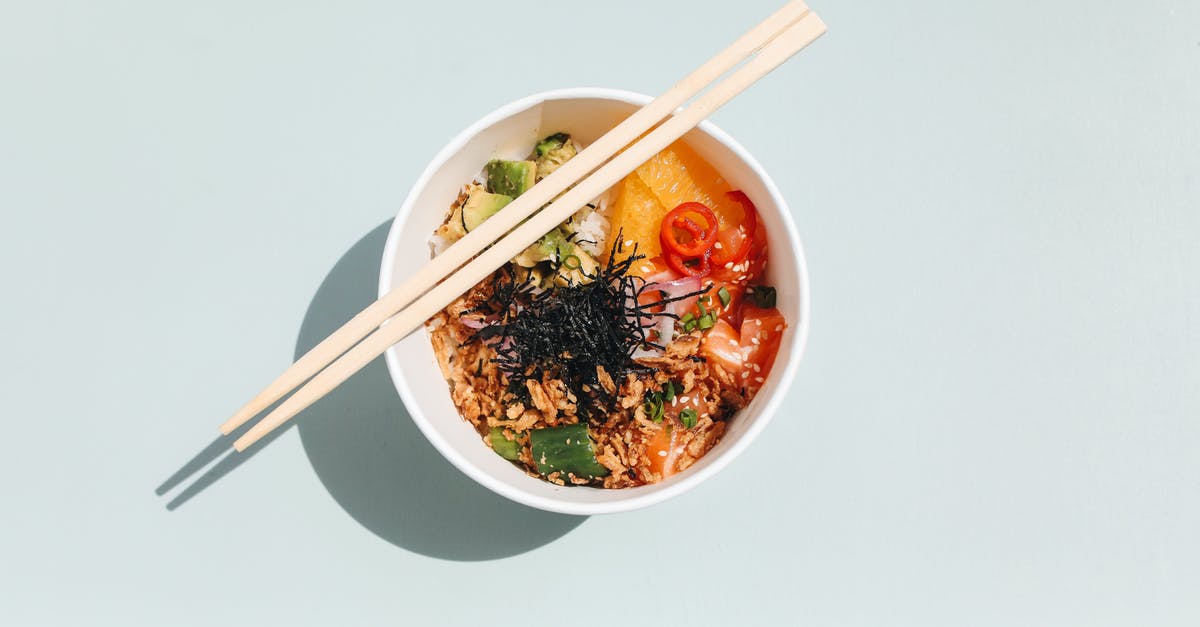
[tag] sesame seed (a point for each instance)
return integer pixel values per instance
(662, 453)
(778, 328)
(757, 369)
(685, 399)
(746, 375)
(758, 322)
(629, 242)
(729, 265)
(754, 340)
(759, 379)
(717, 245)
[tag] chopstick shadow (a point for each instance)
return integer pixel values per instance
(379, 466)
(221, 448)
(372, 458)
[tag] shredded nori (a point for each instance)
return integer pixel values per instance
(565, 332)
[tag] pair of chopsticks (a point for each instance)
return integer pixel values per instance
(591, 172)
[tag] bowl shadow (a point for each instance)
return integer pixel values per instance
(380, 468)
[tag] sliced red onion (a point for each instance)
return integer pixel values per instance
(665, 325)
(505, 345)
(473, 323)
(494, 341)
(676, 288)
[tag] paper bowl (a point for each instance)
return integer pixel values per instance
(510, 132)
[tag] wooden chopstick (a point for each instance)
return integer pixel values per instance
(793, 39)
(531, 201)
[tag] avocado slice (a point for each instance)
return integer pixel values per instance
(511, 178)
(581, 269)
(452, 229)
(551, 246)
(554, 258)
(552, 152)
(552, 142)
(538, 275)
(480, 206)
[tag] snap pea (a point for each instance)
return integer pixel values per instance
(504, 447)
(566, 449)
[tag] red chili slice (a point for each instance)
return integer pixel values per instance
(736, 240)
(680, 218)
(700, 266)
(689, 225)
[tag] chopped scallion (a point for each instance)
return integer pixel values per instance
(654, 406)
(723, 294)
(688, 417)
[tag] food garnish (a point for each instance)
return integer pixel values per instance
(613, 350)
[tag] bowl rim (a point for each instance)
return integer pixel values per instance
(636, 500)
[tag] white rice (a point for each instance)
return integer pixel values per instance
(592, 227)
(438, 244)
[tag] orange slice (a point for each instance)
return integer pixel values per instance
(678, 175)
(637, 215)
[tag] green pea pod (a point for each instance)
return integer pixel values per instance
(566, 449)
(504, 447)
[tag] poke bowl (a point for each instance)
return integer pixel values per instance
(645, 446)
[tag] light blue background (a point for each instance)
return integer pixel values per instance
(997, 422)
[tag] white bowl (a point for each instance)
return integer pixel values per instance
(511, 131)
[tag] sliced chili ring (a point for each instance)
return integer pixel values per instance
(700, 266)
(680, 218)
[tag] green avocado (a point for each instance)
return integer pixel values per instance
(511, 178)
(556, 259)
(480, 206)
(578, 267)
(552, 142)
(552, 246)
(552, 152)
